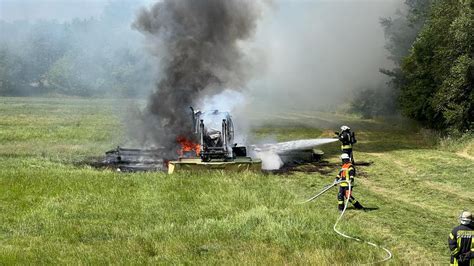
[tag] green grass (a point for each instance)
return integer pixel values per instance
(57, 127)
(53, 211)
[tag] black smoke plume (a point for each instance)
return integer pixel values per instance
(197, 45)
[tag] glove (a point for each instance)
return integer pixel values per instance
(336, 180)
(465, 257)
(352, 181)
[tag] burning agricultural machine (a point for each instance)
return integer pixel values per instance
(216, 149)
(211, 147)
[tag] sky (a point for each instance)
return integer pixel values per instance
(50, 9)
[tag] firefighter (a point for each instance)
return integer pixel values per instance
(347, 139)
(460, 241)
(347, 173)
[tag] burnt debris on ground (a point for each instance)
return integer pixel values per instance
(129, 160)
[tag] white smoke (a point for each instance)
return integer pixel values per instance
(316, 53)
(226, 101)
(269, 153)
(234, 102)
(270, 159)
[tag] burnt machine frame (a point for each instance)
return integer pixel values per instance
(225, 150)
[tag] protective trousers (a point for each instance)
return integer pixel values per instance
(343, 194)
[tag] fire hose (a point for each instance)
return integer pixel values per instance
(325, 189)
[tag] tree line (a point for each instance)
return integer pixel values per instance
(431, 46)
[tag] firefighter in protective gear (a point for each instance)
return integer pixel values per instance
(460, 241)
(347, 139)
(347, 173)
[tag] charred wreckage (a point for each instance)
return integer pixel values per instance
(210, 147)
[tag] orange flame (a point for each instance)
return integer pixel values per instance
(187, 146)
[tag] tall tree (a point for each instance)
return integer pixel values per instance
(401, 32)
(439, 70)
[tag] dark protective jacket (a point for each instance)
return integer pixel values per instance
(347, 139)
(460, 244)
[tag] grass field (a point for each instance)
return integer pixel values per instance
(54, 211)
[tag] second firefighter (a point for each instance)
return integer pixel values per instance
(347, 173)
(347, 139)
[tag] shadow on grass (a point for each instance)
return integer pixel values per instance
(369, 209)
(365, 209)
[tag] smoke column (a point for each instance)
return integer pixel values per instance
(197, 46)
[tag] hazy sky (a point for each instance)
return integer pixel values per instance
(50, 9)
(60, 10)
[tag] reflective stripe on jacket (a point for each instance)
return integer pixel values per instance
(346, 147)
(347, 170)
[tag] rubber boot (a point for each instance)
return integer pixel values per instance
(358, 206)
(340, 207)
